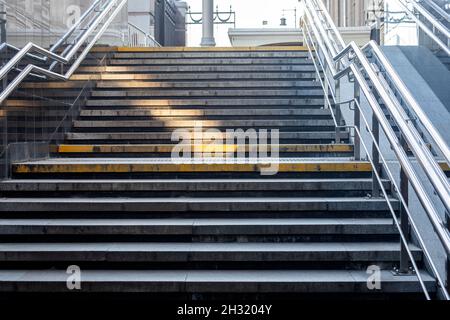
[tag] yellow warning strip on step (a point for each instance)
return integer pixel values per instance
(198, 49)
(168, 148)
(53, 85)
(149, 167)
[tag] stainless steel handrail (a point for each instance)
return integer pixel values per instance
(403, 90)
(438, 9)
(149, 39)
(112, 8)
(322, 25)
(432, 20)
(410, 100)
(377, 175)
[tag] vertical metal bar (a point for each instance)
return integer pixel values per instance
(326, 90)
(4, 84)
(447, 280)
(375, 156)
(357, 121)
(404, 222)
(2, 23)
(338, 107)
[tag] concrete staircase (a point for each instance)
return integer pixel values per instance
(111, 201)
(445, 59)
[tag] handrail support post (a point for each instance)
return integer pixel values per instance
(375, 156)
(357, 121)
(404, 220)
(338, 110)
(447, 266)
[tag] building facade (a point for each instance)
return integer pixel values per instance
(354, 13)
(165, 20)
(45, 21)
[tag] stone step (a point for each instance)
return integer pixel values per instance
(303, 125)
(156, 112)
(198, 227)
(174, 252)
(201, 68)
(140, 137)
(180, 205)
(199, 50)
(247, 102)
(209, 55)
(276, 76)
(210, 61)
(135, 84)
(221, 186)
(137, 165)
(236, 93)
(214, 281)
(202, 148)
(207, 84)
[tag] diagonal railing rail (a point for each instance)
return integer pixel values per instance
(333, 60)
(104, 13)
(430, 25)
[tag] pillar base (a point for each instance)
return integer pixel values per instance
(208, 42)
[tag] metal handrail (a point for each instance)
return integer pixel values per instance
(410, 100)
(337, 53)
(149, 39)
(431, 19)
(438, 9)
(419, 148)
(377, 175)
(112, 7)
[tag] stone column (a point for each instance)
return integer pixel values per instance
(208, 24)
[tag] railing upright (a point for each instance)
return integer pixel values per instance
(352, 61)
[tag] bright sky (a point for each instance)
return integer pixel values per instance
(249, 14)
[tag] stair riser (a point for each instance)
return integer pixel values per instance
(194, 175)
(173, 93)
(210, 55)
(192, 69)
(187, 85)
(169, 155)
(181, 207)
(205, 62)
(192, 194)
(221, 186)
(187, 233)
(195, 76)
(195, 215)
(189, 103)
(177, 260)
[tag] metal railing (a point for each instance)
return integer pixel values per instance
(334, 60)
(91, 27)
(442, 14)
(139, 38)
(428, 23)
(29, 127)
